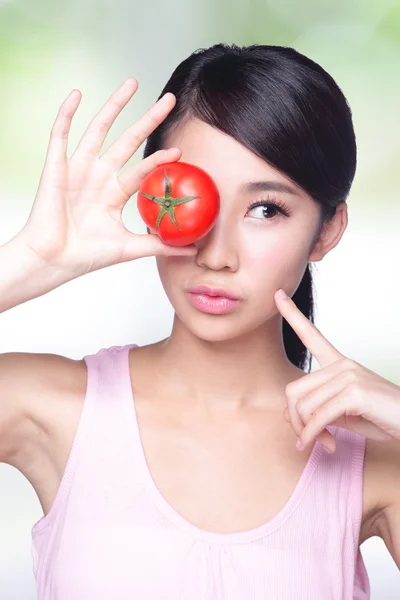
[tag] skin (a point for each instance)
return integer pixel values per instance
(236, 362)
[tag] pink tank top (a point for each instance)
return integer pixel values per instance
(110, 534)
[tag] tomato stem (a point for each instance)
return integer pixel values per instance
(167, 202)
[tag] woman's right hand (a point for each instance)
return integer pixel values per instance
(75, 223)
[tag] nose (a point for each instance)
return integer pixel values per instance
(218, 249)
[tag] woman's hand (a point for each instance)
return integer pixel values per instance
(342, 393)
(75, 223)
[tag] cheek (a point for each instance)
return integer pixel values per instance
(170, 272)
(280, 263)
(162, 268)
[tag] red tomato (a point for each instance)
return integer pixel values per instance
(179, 202)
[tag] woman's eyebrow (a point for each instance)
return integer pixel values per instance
(261, 186)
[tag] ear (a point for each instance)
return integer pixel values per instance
(331, 234)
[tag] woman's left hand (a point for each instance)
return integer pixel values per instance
(342, 393)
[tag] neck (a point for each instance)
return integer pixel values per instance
(235, 375)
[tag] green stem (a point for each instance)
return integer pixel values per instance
(167, 203)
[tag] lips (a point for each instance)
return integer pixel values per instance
(209, 291)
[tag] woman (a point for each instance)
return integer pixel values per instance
(170, 470)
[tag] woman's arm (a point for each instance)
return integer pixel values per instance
(24, 276)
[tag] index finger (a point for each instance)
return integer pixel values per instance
(58, 145)
(310, 335)
(118, 154)
(97, 130)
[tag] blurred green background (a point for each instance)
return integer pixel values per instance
(48, 48)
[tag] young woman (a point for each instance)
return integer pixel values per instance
(171, 470)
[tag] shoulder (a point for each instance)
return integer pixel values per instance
(383, 466)
(38, 369)
(60, 386)
(50, 377)
(42, 388)
(382, 487)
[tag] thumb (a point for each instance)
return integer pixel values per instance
(140, 245)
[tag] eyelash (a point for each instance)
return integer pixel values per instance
(280, 206)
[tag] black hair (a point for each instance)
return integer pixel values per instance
(286, 109)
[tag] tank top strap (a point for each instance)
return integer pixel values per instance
(108, 393)
(348, 463)
(357, 477)
(114, 386)
(102, 429)
(341, 482)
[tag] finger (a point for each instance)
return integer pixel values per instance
(312, 338)
(331, 413)
(306, 384)
(325, 437)
(295, 419)
(118, 154)
(305, 394)
(143, 245)
(131, 179)
(308, 405)
(58, 145)
(95, 134)
(327, 440)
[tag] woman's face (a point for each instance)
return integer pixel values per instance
(249, 252)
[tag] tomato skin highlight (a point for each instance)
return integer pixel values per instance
(179, 202)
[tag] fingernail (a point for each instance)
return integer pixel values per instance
(282, 294)
(299, 445)
(126, 83)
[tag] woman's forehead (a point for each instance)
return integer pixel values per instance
(228, 161)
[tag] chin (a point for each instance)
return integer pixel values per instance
(215, 328)
(211, 335)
